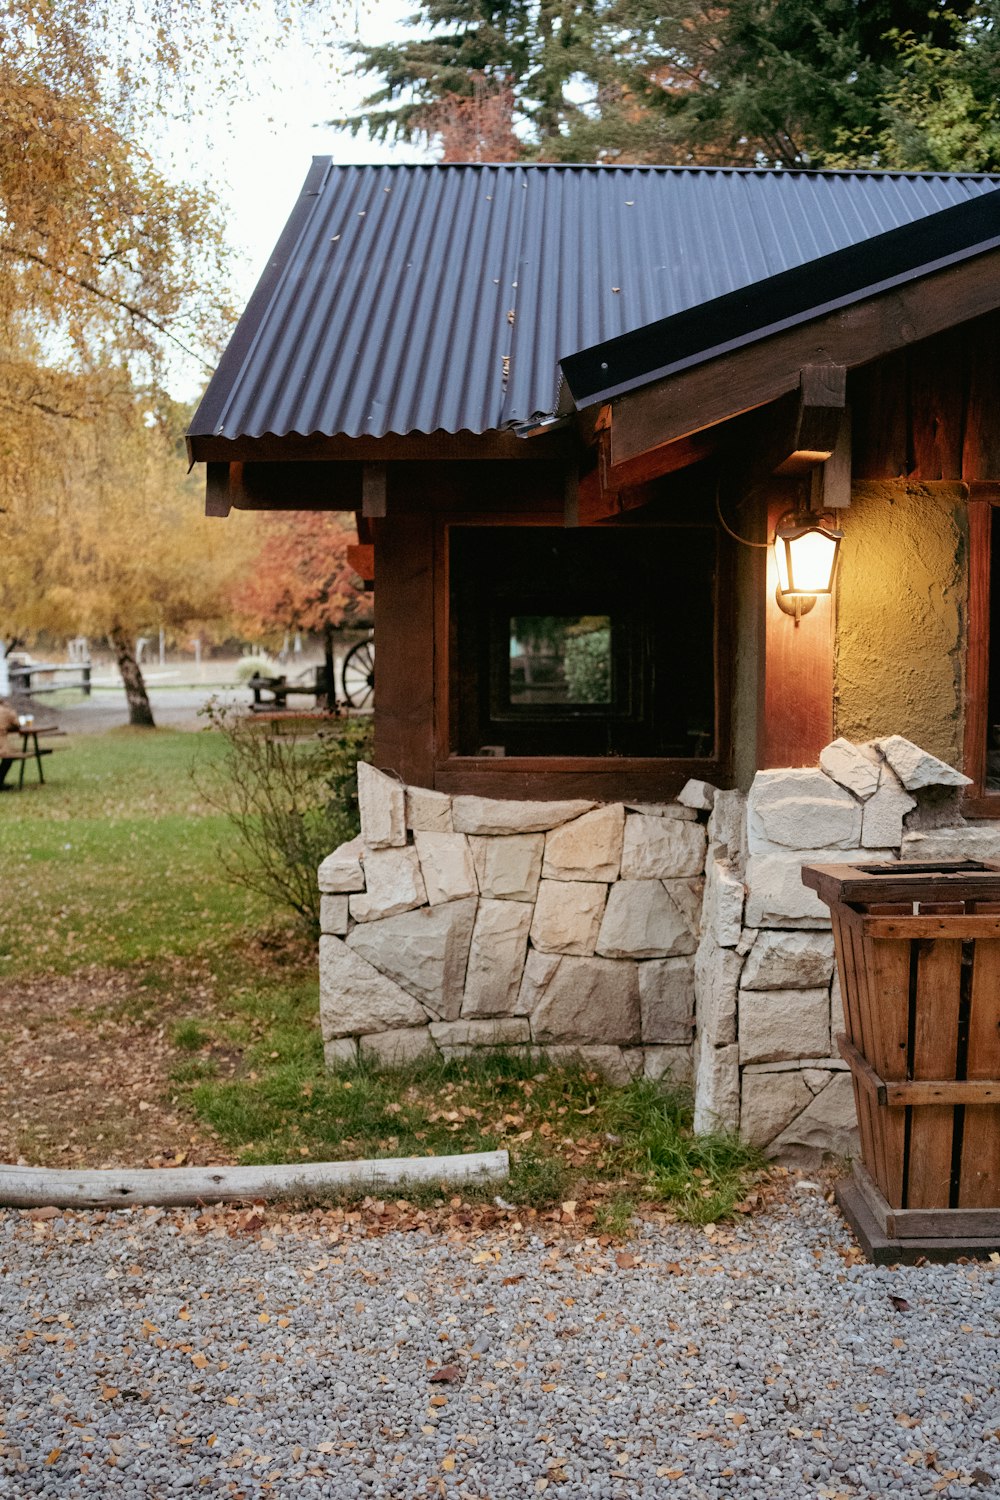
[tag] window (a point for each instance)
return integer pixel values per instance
(982, 721)
(587, 642)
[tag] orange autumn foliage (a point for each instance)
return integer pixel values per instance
(300, 578)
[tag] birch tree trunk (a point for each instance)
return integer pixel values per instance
(139, 711)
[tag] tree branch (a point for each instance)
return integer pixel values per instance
(86, 285)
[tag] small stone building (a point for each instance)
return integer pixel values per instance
(676, 489)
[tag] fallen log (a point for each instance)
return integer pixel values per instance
(170, 1187)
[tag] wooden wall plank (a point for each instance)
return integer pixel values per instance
(938, 380)
(879, 419)
(404, 616)
(981, 451)
(797, 712)
(977, 668)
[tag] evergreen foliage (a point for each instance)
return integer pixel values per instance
(902, 84)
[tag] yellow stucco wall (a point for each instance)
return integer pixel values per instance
(901, 615)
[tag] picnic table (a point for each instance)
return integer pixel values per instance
(30, 750)
(310, 684)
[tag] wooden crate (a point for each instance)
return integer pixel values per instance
(918, 953)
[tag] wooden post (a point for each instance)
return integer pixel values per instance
(797, 695)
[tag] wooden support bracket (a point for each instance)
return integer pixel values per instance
(373, 490)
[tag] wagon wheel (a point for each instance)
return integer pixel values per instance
(358, 675)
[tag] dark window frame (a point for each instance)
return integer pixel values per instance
(642, 777)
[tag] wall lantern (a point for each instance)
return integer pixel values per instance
(806, 553)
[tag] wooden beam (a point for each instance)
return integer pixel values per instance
(361, 557)
(429, 447)
(217, 499)
(746, 378)
(822, 398)
(797, 697)
(115, 1187)
(374, 488)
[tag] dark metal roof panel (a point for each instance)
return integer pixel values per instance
(430, 298)
(798, 295)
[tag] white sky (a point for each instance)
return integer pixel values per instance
(256, 153)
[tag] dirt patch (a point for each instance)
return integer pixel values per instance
(85, 1064)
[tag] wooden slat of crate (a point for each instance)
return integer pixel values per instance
(854, 994)
(979, 1179)
(938, 1223)
(935, 1048)
(961, 881)
(887, 966)
(957, 925)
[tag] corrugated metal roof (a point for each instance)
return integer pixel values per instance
(441, 298)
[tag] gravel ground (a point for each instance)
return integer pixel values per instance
(153, 1353)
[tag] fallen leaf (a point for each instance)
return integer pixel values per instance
(899, 1303)
(625, 1261)
(446, 1374)
(53, 1455)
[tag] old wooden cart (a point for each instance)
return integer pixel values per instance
(918, 953)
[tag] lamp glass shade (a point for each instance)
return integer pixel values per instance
(807, 558)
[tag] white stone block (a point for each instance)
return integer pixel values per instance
(568, 916)
(800, 810)
(641, 921)
(589, 848)
(382, 803)
(882, 821)
(727, 825)
(508, 868)
(355, 997)
(341, 871)
(446, 865)
(340, 1052)
(539, 970)
(688, 895)
(669, 1065)
(489, 815)
(663, 810)
(716, 1089)
(589, 1000)
(770, 1102)
(699, 795)
(393, 883)
(788, 961)
(717, 979)
(425, 951)
(458, 1038)
(616, 1064)
(776, 896)
(826, 1127)
(917, 768)
(722, 912)
(333, 915)
(496, 960)
(661, 848)
(394, 1049)
(776, 1024)
(427, 811)
(666, 1000)
(846, 765)
(969, 841)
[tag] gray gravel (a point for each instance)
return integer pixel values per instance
(154, 1354)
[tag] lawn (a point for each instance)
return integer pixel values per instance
(176, 1017)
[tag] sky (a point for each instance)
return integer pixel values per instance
(255, 152)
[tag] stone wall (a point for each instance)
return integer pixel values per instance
(671, 940)
(768, 1004)
(452, 923)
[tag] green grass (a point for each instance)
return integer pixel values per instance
(114, 861)
(115, 864)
